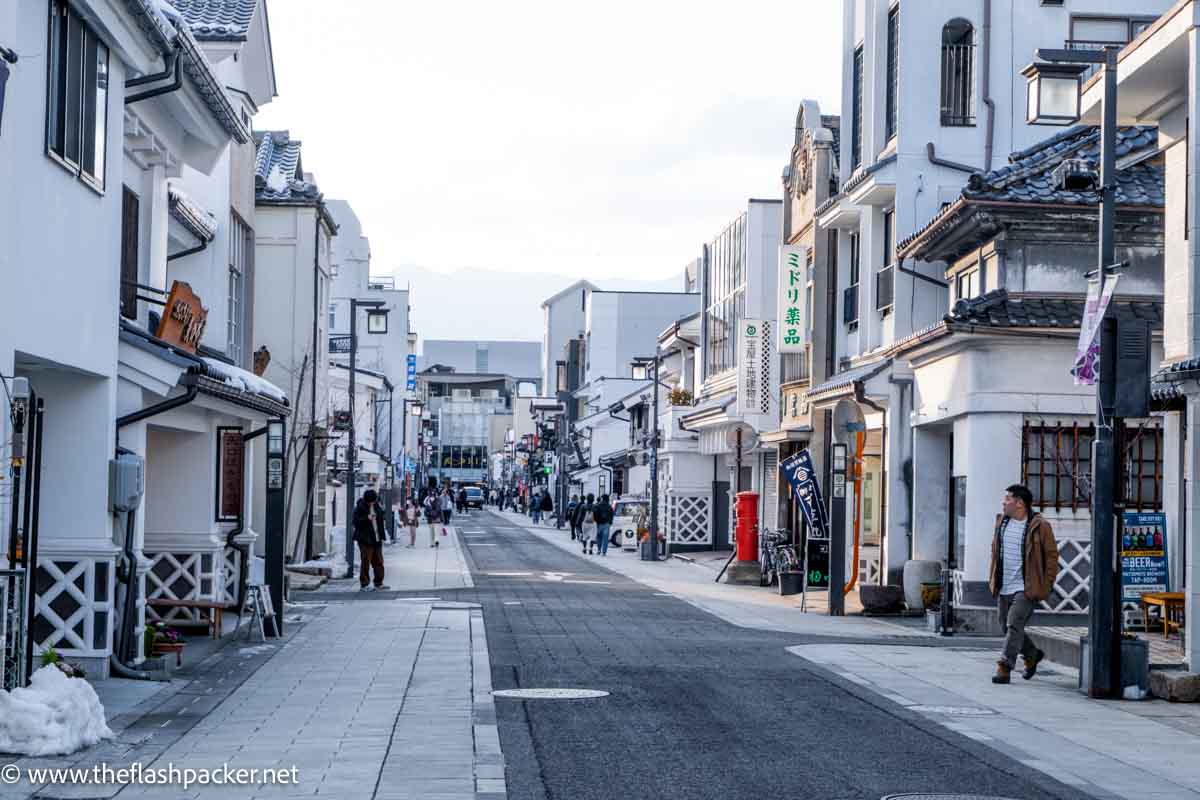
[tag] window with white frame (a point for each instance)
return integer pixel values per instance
(77, 95)
(856, 114)
(727, 296)
(893, 70)
(241, 252)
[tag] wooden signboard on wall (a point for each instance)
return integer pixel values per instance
(183, 318)
(231, 477)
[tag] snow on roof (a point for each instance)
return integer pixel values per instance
(243, 380)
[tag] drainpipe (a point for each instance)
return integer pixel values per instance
(931, 154)
(158, 408)
(986, 58)
(173, 68)
(190, 251)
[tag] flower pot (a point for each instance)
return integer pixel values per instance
(791, 583)
(931, 594)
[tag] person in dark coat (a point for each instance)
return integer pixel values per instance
(460, 500)
(571, 507)
(547, 506)
(370, 536)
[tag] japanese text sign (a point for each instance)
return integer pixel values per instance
(792, 291)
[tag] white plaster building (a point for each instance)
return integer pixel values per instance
(739, 282)
(564, 318)
(908, 143)
(293, 262)
(143, 145)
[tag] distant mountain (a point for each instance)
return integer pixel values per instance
(483, 304)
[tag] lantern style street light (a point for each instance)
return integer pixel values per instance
(1053, 92)
(1054, 89)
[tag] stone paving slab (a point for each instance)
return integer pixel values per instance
(1127, 750)
(415, 569)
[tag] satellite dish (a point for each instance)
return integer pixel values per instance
(847, 419)
(749, 438)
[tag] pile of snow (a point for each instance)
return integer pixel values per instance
(244, 380)
(56, 715)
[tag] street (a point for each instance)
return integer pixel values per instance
(697, 707)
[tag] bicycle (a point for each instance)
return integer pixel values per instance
(774, 554)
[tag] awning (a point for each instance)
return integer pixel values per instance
(158, 366)
(843, 384)
(708, 413)
(784, 436)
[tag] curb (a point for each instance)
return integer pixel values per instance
(490, 782)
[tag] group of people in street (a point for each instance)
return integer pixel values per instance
(435, 507)
(591, 522)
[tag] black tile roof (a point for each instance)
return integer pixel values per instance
(218, 20)
(277, 173)
(999, 309)
(1029, 175)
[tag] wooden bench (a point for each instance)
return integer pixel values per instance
(214, 608)
(1171, 604)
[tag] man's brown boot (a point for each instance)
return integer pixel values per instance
(1003, 673)
(1032, 665)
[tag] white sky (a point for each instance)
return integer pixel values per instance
(608, 140)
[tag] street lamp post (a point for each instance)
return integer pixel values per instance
(376, 324)
(1054, 99)
(650, 549)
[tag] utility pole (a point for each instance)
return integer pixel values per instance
(654, 462)
(352, 454)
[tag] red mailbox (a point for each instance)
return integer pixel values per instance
(746, 535)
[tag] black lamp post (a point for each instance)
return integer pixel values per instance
(641, 371)
(376, 324)
(1054, 99)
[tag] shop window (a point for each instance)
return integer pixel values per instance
(1057, 465)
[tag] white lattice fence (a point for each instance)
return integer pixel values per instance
(183, 576)
(688, 518)
(72, 612)
(233, 571)
(1072, 587)
(868, 569)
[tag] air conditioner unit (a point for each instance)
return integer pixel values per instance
(460, 394)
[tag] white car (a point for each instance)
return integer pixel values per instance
(625, 516)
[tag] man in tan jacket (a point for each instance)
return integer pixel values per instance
(1024, 566)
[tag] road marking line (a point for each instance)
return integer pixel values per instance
(512, 602)
(484, 544)
(509, 574)
(601, 583)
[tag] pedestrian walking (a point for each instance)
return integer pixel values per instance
(461, 500)
(572, 506)
(369, 535)
(492, 497)
(1024, 566)
(412, 518)
(547, 505)
(447, 503)
(535, 508)
(587, 536)
(433, 515)
(603, 514)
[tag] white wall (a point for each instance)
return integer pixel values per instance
(623, 326)
(563, 319)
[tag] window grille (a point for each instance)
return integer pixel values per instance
(958, 74)
(1057, 465)
(856, 137)
(893, 69)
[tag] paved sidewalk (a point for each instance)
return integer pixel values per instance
(746, 606)
(414, 569)
(1143, 750)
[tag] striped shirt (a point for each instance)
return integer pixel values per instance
(1012, 536)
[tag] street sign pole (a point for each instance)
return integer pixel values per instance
(837, 533)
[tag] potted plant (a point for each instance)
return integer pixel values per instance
(680, 397)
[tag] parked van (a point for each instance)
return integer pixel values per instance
(626, 513)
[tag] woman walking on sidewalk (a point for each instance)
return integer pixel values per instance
(433, 515)
(447, 508)
(587, 537)
(412, 518)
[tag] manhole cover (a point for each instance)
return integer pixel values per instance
(922, 796)
(550, 694)
(953, 711)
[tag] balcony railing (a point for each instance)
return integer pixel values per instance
(958, 85)
(850, 304)
(885, 288)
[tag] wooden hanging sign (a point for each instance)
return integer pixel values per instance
(183, 318)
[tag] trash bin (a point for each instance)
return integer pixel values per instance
(791, 583)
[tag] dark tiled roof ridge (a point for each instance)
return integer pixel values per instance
(218, 20)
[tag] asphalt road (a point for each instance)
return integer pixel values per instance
(698, 708)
